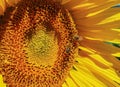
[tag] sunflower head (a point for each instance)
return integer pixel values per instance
(40, 40)
(41, 46)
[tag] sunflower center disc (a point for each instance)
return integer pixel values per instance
(42, 48)
(37, 45)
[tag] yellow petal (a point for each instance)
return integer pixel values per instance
(78, 78)
(101, 60)
(100, 47)
(72, 3)
(64, 85)
(107, 76)
(91, 79)
(94, 9)
(109, 15)
(113, 18)
(70, 82)
(113, 60)
(2, 7)
(1, 82)
(101, 34)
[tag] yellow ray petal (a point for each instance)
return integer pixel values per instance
(72, 3)
(1, 82)
(90, 77)
(64, 1)
(94, 9)
(113, 60)
(78, 78)
(116, 54)
(98, 2)
(109, 15)
(103, 61)
(2, 7)
(70, 82)
(65, 85)
(103, 6)
(109, 76)
(109, 25)
(100, 47)
(106, 51)
(101, 34)
(113, 18)
(114, 24)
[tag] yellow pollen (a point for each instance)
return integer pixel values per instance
(42, 48)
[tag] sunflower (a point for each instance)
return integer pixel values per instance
(59, 43)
